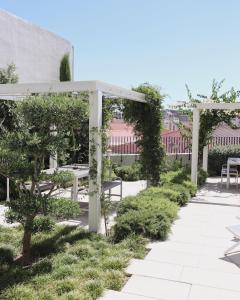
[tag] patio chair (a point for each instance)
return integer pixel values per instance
(232, 172)
(235, 230)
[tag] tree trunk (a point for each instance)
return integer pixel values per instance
(26, 246)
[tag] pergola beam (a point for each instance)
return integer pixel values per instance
(25, 89)
(220, 106)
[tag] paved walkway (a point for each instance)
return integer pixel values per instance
(191, 265)
(129, 189)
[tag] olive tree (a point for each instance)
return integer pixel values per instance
(24, 150)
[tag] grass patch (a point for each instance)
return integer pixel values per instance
(76, 264)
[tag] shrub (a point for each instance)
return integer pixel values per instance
(148, 215)
(202, 176)
(173, 192)
(192, 188)
(64, 208)
(42, 224)
(175, 176)
(219, 155)
(150, 202)
(149, 223)
(6, 255)
(128, 173)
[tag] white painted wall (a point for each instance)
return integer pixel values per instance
(35, 52)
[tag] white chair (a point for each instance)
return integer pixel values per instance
(235, 230)
(232, 172)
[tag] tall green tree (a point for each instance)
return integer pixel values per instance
(65, 70)
(24, 149)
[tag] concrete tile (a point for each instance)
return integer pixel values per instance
(189, 247)
(202, 292)
(211, 278)
(222, 264)
(157, 288)
(173, 257)
(113, 295)
(154, 269)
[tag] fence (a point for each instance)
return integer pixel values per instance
(177, 145)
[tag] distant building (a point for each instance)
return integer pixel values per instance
(172, 118)
(35, 52)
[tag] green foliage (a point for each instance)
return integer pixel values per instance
(6, 255)
(68, 273)
(177, 176)
(129, 173)
(65, 71)
(147, 121)
(210, 119)
(42, 224)
(150, 215)
(32, 142)
(8, 75)
(63, 208)
(218, 156)
(202, 176)
(192, 188)
(173, 192)
(151, 224)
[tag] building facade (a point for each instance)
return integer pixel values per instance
(35, 52)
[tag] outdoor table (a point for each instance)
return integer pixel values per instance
(232, 161)
(78, 170)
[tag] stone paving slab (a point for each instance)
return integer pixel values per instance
(154, 269)
(157, 288)
(211, 278)
(207, 293)
(113, 295)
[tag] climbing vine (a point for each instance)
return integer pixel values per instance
(147, 121)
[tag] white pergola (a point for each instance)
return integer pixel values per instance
(96, 90)
(195, 133)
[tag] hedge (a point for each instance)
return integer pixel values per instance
(150, 216)
(174, 193)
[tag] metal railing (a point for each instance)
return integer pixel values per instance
(172, 145)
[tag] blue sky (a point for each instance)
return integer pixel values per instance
(128, 42)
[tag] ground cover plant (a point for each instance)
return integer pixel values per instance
(69, 264)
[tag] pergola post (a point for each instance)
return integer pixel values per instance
(53, 163)
(195, 142)
(95, 160)
(205, 159)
